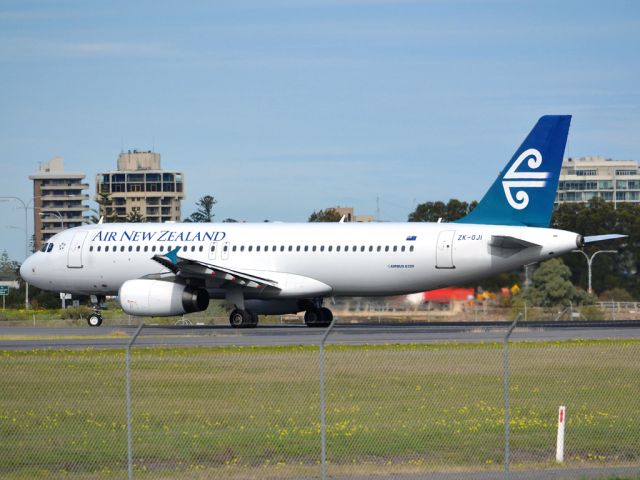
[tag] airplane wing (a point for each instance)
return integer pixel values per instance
(215, 274)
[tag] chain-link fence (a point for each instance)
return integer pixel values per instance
(398, 405)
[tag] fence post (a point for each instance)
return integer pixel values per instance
(505, 368)
(323, 419)
(128, 391)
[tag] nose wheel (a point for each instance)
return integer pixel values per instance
(95, 319)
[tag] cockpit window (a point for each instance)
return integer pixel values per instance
(50, 247)
(44, 247)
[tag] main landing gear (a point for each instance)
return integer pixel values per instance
(318, 317)
(243, 319)
(95, 319)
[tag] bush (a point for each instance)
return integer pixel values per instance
(592, 312)
(75, 313)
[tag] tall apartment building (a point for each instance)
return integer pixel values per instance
(583, 178)
(140, 188)
(58, 200)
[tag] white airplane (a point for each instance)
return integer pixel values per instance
(277, 268)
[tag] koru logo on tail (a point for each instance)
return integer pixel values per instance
(517, 180)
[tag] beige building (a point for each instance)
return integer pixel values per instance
(140, 189)
(349, 216)
(583, 178)
(58, 200)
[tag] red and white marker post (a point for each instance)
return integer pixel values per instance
(560, 439)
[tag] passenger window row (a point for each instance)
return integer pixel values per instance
(146, 248)
(315, 248)
(249, 248)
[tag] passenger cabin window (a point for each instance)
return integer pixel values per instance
(137, 248)
(122, 248)
(411, 248)
(98, 247)
(146, 248)
(402, 248)
(106, 248)
(130, 248)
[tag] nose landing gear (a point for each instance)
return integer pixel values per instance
(95, 319)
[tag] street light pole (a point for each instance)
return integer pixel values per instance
(25, 206)
(590, 261)
(57, 214)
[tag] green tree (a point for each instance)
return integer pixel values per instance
(326, 215)
(7, 265)
(552, 286)
(204, 213)
(105, 210)
(600, 217)
(449, 212)
(134, 216)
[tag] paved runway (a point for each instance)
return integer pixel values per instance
(118, 336)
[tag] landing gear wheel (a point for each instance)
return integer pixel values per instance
(243, 319)
(327, 316)
(318, 317)
(312, 317)
(94, 320)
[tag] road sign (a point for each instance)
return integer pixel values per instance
(4, 290)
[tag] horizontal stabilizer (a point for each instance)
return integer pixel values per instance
(602, 238)
(512, 243)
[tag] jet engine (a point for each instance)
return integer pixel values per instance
(162, 299)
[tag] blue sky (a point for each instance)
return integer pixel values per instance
(279, 108)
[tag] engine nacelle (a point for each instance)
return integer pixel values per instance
(161, 299)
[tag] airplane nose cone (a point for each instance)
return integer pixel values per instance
(27, 270)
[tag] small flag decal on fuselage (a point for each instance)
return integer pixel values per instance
(411, 238)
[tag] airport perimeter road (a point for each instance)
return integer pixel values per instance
(105, 337)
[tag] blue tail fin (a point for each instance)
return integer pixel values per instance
(525, 191)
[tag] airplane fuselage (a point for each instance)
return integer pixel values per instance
(337, 259)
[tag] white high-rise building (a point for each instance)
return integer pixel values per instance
(583, 178)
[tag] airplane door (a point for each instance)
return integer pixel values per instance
(212, 250)
(225, 251)
(444, 250)
(74, 257)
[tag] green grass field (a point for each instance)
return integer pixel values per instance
(254, 412)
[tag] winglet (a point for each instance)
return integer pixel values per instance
(168, 260)
(173, 255)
